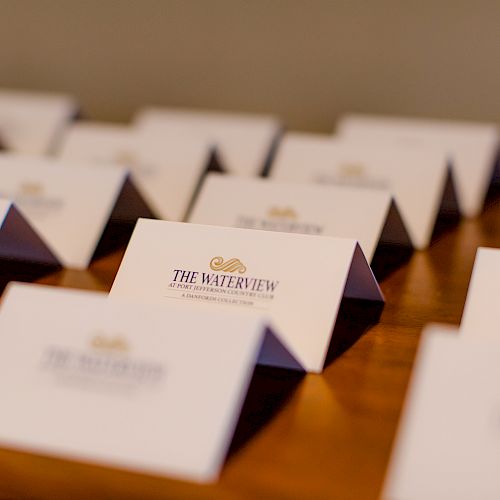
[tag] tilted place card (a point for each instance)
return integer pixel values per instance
(448, 442)
(32, 122)
(339, 211)
(167, 172)
(151, 389)
(472, 148)
(298, 280)
(244, 142)
(69, 204)
(419, 180)
(481, 315)
(19, 241)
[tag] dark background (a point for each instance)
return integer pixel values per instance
(307, 61)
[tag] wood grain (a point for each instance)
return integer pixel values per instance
(316, 436)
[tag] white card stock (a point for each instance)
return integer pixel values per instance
(418, 179)
(481, 316)
(152, 389)
(448, 442)
(471, 147)
(244, 142)
(339, 211)
(32, 122)
(167, 172)
(297, 280)
(68, 204)
(18, 240)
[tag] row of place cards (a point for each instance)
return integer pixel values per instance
(37, 123)
(448, 443)
(168, 152)
(69, 201)
(367, 150)
(164, 363)
(82, 189)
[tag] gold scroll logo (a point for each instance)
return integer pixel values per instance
(228, 266)
(103, 343)
(31, 188)
(352, 170)
(127, 158)
(282, 213)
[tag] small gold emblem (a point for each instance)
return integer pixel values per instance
(127, 158)
(228, 266)
(282, 213)
(352, 170)
(31, 188)
(104, 343)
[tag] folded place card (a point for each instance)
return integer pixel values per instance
(244, 142)
(67, 203)
(472, 148)
(339, 211)
(298, 280)
(448, 442)
(19, 241)
(167, 172)
(482, 312)
(32, 122)
(419, 180)
(152, 389)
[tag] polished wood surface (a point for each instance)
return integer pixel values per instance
(312, 436)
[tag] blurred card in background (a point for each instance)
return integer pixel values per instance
(166, 171)
(68, 203)
(32, 122)
(245, 142)
(472, 148)
(419, 180)
(338, 211)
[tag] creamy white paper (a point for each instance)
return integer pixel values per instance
(481, 315)
(19, 241)
(67, 203)
(244, 142)
(448, 442)
(297, 280)
(166, 171)
(32, 122)
(418, 179)
(152, 389)
(471, 147)
(339, 211)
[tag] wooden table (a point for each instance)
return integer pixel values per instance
(316, 436)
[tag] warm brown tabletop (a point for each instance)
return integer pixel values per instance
(319, 436)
